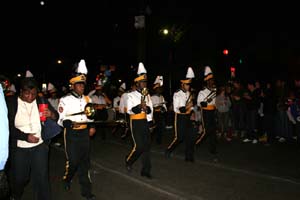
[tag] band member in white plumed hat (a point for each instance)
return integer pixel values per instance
(77, 132)
(208, 73)
(183, 106)
(206, 100)
(80, 73)
(160, 109)
(189, 76)
(28, 74)
(140, 111)
(159, 81)
(141, 73)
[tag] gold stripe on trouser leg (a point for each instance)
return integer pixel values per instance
(65, 141)
(175, 132)
(203, 129)
(67, 162)
(89, 176)
(134, 143)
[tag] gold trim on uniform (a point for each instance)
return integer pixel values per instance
(140, 78)
(134, 143)
(175, 132)
(76, 79)
(79, 126)
(209, 107)
(186, 81)
(139, 116)
(157, 109)
(208, 77)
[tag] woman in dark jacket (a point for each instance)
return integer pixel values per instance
(28, 151)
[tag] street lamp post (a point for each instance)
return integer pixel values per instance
(166, 33)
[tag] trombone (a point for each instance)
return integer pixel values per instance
(121, 122)
(207, 99)
(89, 111)
(211, 95)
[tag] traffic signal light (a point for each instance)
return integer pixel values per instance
(232, 72)
(225, 52)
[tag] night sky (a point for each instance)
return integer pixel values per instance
(262, 39)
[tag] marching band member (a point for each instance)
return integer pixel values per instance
(77, 132)
(140, 110)
(160, 108)
(206, 101)
(123, 108)
(183, 105)
(119, 110)
(102, 104)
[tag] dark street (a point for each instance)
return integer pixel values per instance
(242, 172)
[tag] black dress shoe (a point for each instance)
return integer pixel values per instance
(167, 154)
(213, 152)
(90, 197)
(128, 167)
(192, 160)
(67, 185)
(147, 175)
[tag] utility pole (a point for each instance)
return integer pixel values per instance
(140, 24)
(141, 37)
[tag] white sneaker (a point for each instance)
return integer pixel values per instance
(254, 141)
(247, 140)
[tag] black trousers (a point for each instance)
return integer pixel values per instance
(77, 149)
(210, 123)
(160, 122)
(4, 187)
(140, 135)
(183, 132)
(30, 164)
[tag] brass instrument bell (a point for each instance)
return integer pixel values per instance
(90, 110)
(144, 92)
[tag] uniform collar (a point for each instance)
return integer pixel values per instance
(76, 95)
(184, 91)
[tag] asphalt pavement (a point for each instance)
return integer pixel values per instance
(242, 171)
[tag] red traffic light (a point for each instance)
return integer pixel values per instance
(232, 69)
(225, 52)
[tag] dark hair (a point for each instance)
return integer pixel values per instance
(28, 83)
